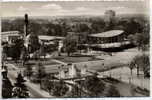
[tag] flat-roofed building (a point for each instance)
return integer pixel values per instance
(10, 36)
(50, 40)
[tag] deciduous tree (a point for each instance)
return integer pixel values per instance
(70, 44)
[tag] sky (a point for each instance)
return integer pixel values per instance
(66, 8)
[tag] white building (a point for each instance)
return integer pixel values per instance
(72, 71)
(84, 70)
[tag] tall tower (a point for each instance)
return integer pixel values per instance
(26, 25)
(26, 39)
(109, 15)
(109, 19)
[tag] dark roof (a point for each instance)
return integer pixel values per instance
(111, 33)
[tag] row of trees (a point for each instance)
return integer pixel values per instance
(60, 27)
(136, 29)
(141, 63)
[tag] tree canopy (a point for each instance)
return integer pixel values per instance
(70, 43)
(94, 85)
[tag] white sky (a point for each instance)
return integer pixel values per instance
(72, 8)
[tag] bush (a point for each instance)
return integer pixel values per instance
(59, 89)
(94, 85)
(55, 88)
(113, 92)
(112, 80)
(6, 88)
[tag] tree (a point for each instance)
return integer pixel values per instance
(94, 85)
(132, 66)
(113, 92)
(40, 73)
(97, 26)
(20, 90)
(141, 63)
(24, 55)
(141, 40)
(15, 49)
(133, 26)
(33, 42)
(4, 53)
(11, 25)
(59, 88)
(70, 43)
(42, 50)
(6, 86)
(47, 83)
(28, 70)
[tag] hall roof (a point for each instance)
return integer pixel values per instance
(111, 33)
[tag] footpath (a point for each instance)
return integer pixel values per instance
(123, 74)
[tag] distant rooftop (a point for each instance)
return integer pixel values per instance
(111, 33)
(49, 38)
(10, 33)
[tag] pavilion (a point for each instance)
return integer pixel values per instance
(108, 40)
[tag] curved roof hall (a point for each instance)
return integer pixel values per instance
(111, 33)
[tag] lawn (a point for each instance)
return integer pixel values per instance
(35, 62)
(76, 58)
(44, 62)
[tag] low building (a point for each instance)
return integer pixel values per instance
(52, 40)
(10, 36)
(46, 38)
(66, 71)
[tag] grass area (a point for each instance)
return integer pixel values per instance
(76, 58)
(44, 62)
(34, 62)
